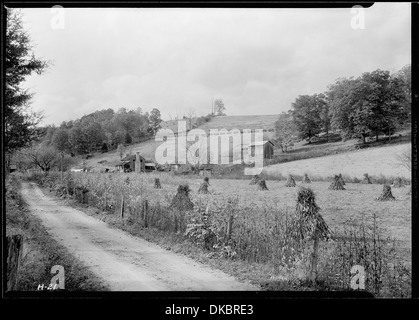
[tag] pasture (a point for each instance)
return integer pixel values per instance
(356, 203)
(258, 227)
(374, 161)
(337, 206)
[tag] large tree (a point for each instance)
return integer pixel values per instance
(44, 157)
(60, 140)
(20, 62)
(369, 105)
(219, 108)
(306, 111)
(286, 132)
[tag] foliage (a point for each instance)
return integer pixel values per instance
(306, 115)
(128, 138)
(20, 62)
(363, 244)
(89, 133)
(155, 120)
(60, 140)
(43, 157)
(219, 108)
(368, 105)
(286, 131)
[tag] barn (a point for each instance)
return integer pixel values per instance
(268, 148)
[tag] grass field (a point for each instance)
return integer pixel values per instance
(261, 226)
(374, 161)
(356, 202)
(243, 122)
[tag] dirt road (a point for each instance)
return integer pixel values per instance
(125, 263)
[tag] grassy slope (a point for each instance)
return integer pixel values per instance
(147, 149)
(241, 122)
(374, 161)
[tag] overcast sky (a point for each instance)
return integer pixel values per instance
(257, 60)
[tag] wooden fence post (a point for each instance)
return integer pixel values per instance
(14, 253)
(145, 213)
(122, 207)
(229, 227)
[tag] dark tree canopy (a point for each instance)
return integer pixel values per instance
(371, 104)
(374, 103)
(307, 111)
(20, 62)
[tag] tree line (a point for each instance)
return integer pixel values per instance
(101, 130)
(374, 103)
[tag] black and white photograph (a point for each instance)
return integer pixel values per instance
(185, 150)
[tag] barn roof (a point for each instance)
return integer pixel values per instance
(122, 163)
(130, 158)
(261, 143)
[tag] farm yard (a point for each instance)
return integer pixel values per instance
(253, 226)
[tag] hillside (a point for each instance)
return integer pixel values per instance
(147, 149)
(265, 122)
(374, 161)
(324, 158)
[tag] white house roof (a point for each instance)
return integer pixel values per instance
(260, 143)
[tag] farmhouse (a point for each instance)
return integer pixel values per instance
(131, 163)
(268, 148)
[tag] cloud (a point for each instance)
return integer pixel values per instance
(257, 60)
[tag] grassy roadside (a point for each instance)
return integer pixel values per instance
(252, 257)
(40, 251)
(263, 275)
(255, 273)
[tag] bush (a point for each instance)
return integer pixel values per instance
(365, 245)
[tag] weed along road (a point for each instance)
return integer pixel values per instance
(124, 262)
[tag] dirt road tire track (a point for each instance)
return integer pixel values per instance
(124, 262)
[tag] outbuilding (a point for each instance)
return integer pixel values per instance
(268, 148)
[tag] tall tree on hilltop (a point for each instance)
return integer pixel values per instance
(154, 121)
(20, 62)
(219, 108)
